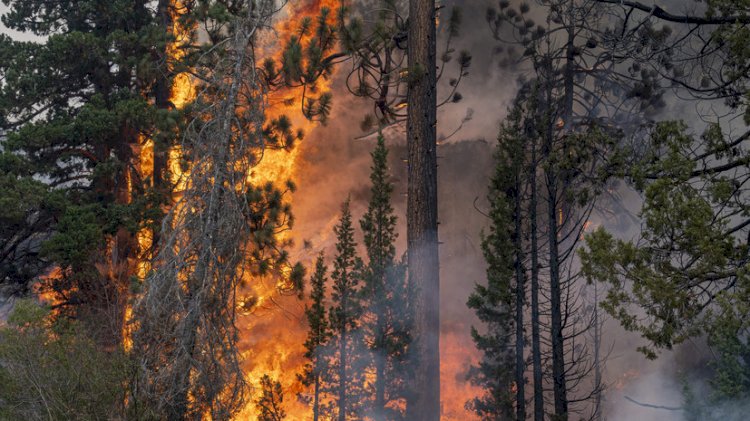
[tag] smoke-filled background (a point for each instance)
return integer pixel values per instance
(333, 163)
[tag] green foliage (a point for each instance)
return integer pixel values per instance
(268, 214)
(78, 235)
(347, 344)
(387, 293)
(316, 371)
(346, 276)
(729, 338)
(76, 106)
(53, 371)
(686, 275)
(319, 333)
(26, 206)
(306, 57)
(494, 303)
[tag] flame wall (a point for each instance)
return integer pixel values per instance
(328, 166)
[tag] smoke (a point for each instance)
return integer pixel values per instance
(334, 164)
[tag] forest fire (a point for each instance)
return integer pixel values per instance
(271, 316)
(193, 226)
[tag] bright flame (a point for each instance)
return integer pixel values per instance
(272, 327)
(182, 92)
(456, 356)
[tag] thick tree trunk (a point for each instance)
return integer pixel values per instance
(520, 294)
(536, 351)
(422, 238)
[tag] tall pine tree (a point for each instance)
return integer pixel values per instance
(347, 344)
(75, 109)
(387, 293)
(317, 337)
(499, 304)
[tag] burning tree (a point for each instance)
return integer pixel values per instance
(73, 130)
(271, 400)
(221, 227)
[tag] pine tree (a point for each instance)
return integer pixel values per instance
(497, 304)
(271, 400)
(317, 337)
(386, 291)
(75, 107)
(221, 229)
(345, 320)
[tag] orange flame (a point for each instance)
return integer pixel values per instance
(272, 327)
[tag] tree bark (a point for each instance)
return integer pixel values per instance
(316, 398)
(520, 294)
(422, 238)
(342, 358)
(559, 387)
(162, 93)
(536, 352)
(380, 365)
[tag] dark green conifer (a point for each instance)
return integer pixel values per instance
(495, 302)
(345, 319)
(75, 111)
(317, 337)
(387, 293)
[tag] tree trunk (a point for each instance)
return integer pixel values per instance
(597, 416)
(559, 387)
(162, 93)
(316, 398)
(536, 352)
(342, 360)
(380, 362)
(558, 361)
(520, 294)
(422, 239)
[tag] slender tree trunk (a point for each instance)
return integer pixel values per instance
(316, 398)
(380, 362)
(597, 416)
(520, 294)
(559, 387)
(536, 352)
(558, 353)
(342, 359)
(570, 65)
(162, 93)
(422, 238)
